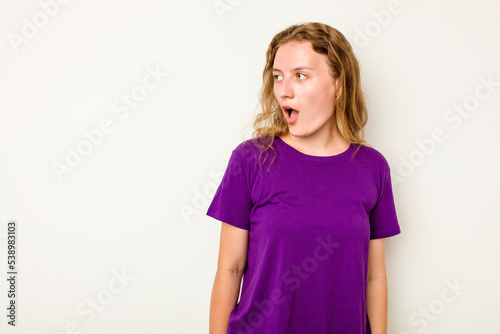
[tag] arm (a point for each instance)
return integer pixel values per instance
(376, 291)
(233, 251)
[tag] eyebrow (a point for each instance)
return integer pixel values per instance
(295, 69)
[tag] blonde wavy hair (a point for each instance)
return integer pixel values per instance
(350, 112)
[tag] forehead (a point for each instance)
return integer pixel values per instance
(295, 54)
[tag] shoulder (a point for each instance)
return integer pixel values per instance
(254, 154)
(372, 156)
(247, 146)
(371, 153)
(242, 154)
(250, 149)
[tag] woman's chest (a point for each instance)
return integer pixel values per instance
(299, 203)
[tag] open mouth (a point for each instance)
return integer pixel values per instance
(293, 114)
(289, 110)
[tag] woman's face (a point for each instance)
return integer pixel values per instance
(302, 82)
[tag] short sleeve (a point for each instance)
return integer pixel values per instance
(232, 203)
(383, 219)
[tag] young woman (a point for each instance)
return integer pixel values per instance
(306, 229)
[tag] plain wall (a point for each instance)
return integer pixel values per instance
(118, 119)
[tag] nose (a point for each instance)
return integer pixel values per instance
(286, 89)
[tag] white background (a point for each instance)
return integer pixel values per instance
(136, 202)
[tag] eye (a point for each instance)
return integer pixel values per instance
(277, 77)
(301, 75)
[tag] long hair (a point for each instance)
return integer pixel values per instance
(350, 108)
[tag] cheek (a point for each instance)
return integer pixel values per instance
(327, 94)
(318, 96)
(322, 101)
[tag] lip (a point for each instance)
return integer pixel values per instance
(285, 106)
(288, 119)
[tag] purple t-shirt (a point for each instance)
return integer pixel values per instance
(310, 219)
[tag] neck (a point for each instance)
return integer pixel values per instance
(319, 145)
